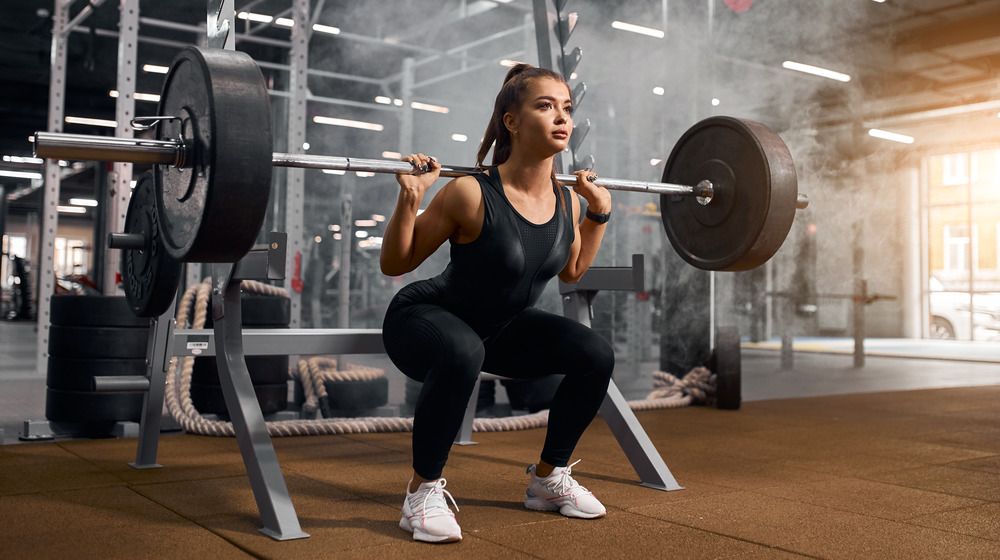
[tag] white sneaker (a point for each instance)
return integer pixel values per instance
(559, 492)
(426, 514)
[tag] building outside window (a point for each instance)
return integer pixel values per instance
(962, 229)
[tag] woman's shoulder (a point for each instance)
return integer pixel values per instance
(463, 191)
(466, 185)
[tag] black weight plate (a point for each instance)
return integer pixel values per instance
(98, 342)
(755, 194)
(208, 399)
(75, 374)
(149, 275)
(351, 394)
(264, 370)
(212, 208)
(93, 311)
(728, 369)
(79, 406)
(261, 311)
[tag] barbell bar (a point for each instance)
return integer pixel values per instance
(173, 152)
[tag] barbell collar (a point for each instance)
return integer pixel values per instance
(58, 145)
(132, 241)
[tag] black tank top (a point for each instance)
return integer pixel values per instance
(503, 271)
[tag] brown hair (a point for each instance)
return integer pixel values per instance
(509, 100)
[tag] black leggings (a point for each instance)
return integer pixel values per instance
(431, 345)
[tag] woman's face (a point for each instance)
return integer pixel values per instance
(544, 121)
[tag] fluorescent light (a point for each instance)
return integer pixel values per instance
(510, 63)
(71, 209)
(573, 76)
(886, 135)
(20, 174)
(326, 29)
(284, 22)
(337, 237)
(348, 123)
(22, 159)
(94, 122)
(715, 102)
(658, 91)
(318, 239)
(459, 137)
(306, 145)
(364, 174)
(155, 98)
(815, 70)
(428, 107)
(255, 17)
(132, 184)
(334, 227)
(637, 29)
(365, 223)
(334, 171)
(83, 202)
(378, 217)
(154, 69)
(361, 234)
(389, 101)
(655, 162)
(391, 155)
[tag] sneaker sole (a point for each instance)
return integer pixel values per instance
(422, 536)
(538, 504)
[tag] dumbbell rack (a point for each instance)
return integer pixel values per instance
(230, 344)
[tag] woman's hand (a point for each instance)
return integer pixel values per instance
(598, 198)
(417, 184)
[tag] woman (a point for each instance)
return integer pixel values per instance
(511, 230)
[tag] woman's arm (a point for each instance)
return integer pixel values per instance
(588, 233)
(409, 239)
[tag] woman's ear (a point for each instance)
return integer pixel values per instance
(510, 122)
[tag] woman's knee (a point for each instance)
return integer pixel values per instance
(592, 354)
(601, 356)
(463, 356)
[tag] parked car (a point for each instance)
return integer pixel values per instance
(950, 314)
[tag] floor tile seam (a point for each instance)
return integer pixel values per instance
(949, 531)
(139, 484)
(780, 547)
(876, 516)
(478, 535)
(64, 490)
(197, 523)
(356, 497)
(902, 485)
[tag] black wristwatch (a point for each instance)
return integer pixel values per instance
(599, 218)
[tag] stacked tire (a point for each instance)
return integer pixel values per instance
(269, 374)
(93, 336)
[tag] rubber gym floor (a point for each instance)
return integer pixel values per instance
(899, 459)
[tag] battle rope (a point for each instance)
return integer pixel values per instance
(698, 386)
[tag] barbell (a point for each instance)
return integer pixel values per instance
(727, 198)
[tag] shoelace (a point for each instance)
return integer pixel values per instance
(437, 493)
(566, 484)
